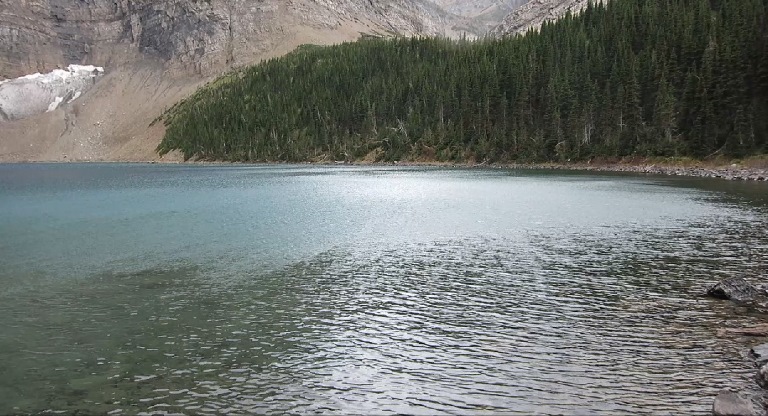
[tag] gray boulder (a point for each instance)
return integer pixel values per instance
(762, 376)
(760, 354)
(734, 288)
(733, 404)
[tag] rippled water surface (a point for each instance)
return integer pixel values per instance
(335, 290)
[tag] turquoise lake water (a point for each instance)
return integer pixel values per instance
(165, 289)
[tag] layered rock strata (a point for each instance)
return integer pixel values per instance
(199, 36)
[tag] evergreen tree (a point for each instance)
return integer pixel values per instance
(624, 78)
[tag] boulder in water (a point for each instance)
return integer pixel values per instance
(728, 403)
(762, 376)
(760, 353)
(734, 288)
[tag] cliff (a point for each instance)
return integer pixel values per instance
(479, 16)
(534, 13)
(198, 36)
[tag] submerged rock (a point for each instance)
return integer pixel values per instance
(734, 288)
(728, 403)
(762, 376)
(760, 353)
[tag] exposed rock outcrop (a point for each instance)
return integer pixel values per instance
(535, 12)
(478, 7)
(734, 288)
(484, 14)
(201, 36)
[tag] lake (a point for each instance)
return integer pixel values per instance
(146, 289)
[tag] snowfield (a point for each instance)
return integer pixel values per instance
(38, 93)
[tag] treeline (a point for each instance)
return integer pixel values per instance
(631, 77)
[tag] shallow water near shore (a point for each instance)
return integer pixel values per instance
(345, 290)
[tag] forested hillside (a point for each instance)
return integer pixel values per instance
(632, 77)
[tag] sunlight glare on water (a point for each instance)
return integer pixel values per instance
(288, 289)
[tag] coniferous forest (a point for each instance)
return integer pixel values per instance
(627, 78)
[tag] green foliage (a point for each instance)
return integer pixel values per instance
(633, 77)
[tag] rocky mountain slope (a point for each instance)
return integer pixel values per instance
(535, 12)
(486, 14)
(156, 52)
(477, 7)
(193, 35)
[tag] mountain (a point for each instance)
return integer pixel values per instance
(156, 52)
(482, 15)
(200, 36)
(533, 13)
(477, 7)
(624, 79)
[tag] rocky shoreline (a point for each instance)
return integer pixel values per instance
(734, 172)
(730, 403)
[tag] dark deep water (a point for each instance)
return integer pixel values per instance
(291, 289)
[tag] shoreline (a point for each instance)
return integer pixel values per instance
(687, 168)
(733, 172)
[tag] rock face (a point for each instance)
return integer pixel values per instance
(485, 14)
(195, 35)
(732, 404)
(734, 288)
(535, 12)
(478, 7)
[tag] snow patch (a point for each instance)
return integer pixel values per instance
(55, 104)
(39, 93)
(76, 96)
(62, 75)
